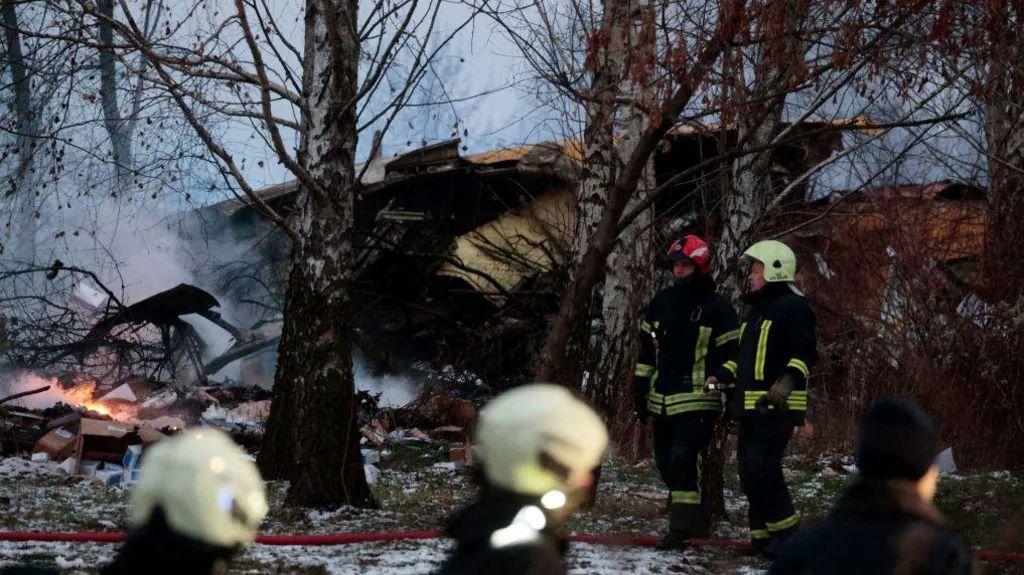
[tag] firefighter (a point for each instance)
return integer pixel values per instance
(538, 446)
(199, 501)
(885, 522)
(777, 349)
(687, 333)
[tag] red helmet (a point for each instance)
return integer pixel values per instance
(694, 249)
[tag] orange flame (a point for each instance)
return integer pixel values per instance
(82, 396)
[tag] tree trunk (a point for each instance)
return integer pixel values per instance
(778, 65)
(23, 247)
(600, 168)
(629, 270)
(589, 271)
(1004, 131)
(312, 434)
(116, 126)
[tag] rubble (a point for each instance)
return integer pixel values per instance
(83, 437)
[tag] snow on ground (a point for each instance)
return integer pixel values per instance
(390, 558)
(418, 489)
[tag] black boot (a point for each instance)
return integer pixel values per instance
(674, 539)
(776, 543)
(685, 522)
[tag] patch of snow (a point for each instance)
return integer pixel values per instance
(15, 467)
(444, 467)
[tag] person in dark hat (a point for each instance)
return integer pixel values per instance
(885, 522)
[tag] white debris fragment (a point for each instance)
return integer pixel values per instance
(372, 473)
(87, 298)
(67, 466)
(945, 461)
(161, 400)
(122, 392)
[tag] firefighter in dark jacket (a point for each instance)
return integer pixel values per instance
(538, 446)
(688, 332)
(777, 349)
(885, 523)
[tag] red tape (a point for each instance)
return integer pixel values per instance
(347, 538)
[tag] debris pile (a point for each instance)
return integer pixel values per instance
(79, 427)
(444, 411)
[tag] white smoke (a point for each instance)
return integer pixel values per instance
(20, 381)
(395, 390)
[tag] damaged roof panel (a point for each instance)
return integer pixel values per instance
(496, 257)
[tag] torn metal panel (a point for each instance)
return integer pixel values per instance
(443, 155)
(495, 257)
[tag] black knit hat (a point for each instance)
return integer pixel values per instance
(897, 440)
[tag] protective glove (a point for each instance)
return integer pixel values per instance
(712, 387)
(777, 396)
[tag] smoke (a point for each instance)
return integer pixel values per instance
(395, 390)
(17, 382)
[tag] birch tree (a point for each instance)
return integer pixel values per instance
(312, 437)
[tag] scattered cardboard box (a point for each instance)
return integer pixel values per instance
(103, 440)
(58, 443)
(87, 468)
(110, 474)
(132, 457)
(153, 430)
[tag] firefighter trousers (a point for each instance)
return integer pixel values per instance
(761, 445)
(679, 441)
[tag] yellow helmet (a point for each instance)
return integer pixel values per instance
(778, 259)
(539, 438)
(206, 486)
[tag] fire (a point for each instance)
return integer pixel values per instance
(81, 395)
(98, 408)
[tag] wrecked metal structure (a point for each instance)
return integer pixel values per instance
(466, 252)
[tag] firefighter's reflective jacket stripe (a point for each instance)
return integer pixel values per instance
(644, 370)
(690, 497)
(688, 332)
(681, 402)
(776, 338)
(797, 400)
(784, 524)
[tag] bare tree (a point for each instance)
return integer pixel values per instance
(1003, 89)
(26, 138)
(311, 435)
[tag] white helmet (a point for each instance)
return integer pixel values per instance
(206, 486)
(539, 438)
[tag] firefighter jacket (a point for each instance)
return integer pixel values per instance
(878, 526)
(688, 332)
(777, 337)
(489, 539)
(156, 548)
